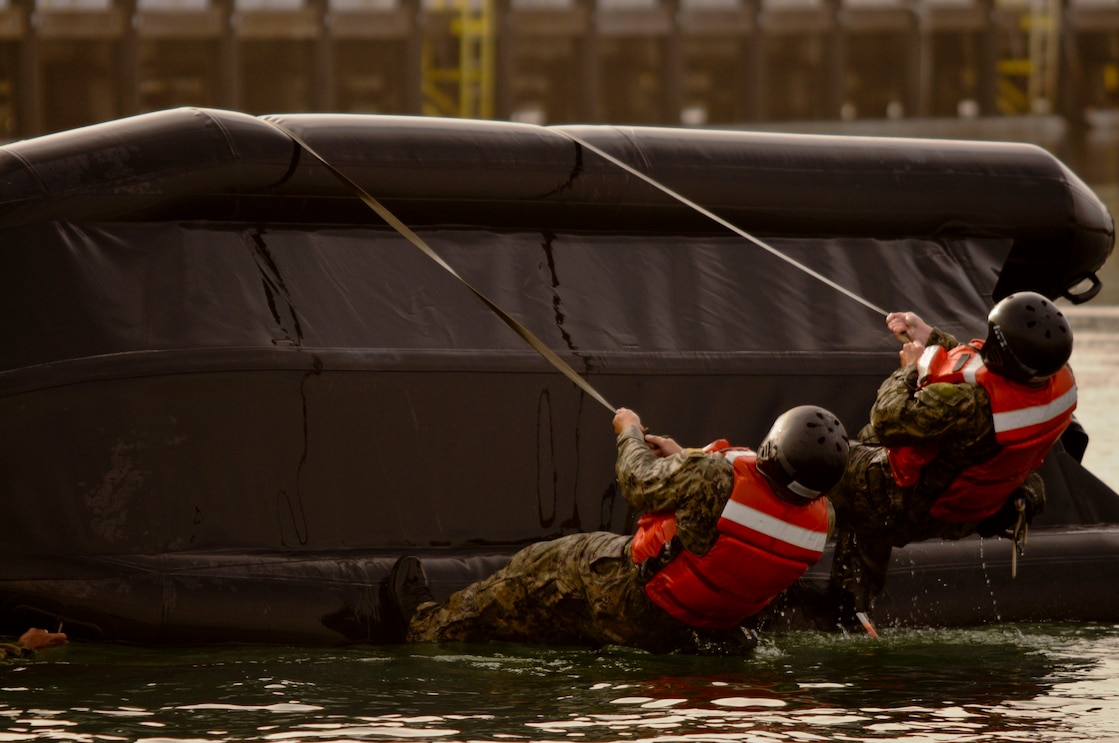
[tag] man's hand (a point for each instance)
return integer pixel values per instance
(663, 446)
(624, 418)
(907, 326)
(36, 639)
(910, 353)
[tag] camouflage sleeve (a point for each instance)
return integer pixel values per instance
(896, 407)
(902, 414)
(14, 650)
(693, 484)
(945, 340)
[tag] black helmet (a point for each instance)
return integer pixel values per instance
(804, 453)
(1028, 338)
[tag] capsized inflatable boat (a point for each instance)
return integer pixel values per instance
(231, 394)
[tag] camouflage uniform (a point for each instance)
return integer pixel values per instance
(14, 650)
(584, 588)
(874, 514)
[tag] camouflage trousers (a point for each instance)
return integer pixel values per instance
(14, 650)
(580, 589)
(874, 515)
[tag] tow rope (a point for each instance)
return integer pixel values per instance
(426, 249)
(733, 228)
(562, 366)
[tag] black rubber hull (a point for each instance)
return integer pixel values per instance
(231, 395)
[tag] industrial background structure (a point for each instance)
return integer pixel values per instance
(66, 63)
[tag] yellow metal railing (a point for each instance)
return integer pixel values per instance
(461, 84)
(1028, 83)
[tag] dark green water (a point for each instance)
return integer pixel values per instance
(1035, 683)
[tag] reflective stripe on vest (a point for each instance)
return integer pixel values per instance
(1024, 418)
(932, 353)
(783, 531)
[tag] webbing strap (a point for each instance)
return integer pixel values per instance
(417, 241)
(733, 228)
(1019, 536)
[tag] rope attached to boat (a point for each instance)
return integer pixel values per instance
(517, 327)
(426, 249)
(733, 228)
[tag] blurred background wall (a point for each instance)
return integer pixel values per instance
(65, 63)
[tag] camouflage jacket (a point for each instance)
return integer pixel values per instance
(693, 484)
(957, 416)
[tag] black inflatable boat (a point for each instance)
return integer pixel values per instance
(231, 394)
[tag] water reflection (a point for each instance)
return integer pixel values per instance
(1037, 683)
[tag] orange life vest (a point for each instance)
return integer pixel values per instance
(764, 544)
(1028, 421)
